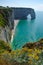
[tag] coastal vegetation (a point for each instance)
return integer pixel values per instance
(5, 22)
(4, 46)
(5, 13)
(30, 54)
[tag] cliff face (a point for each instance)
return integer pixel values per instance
(5, 23)
(8, 17)
(22, 13)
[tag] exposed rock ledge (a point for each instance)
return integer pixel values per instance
(38, 44)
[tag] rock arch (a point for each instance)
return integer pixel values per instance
(22, 13)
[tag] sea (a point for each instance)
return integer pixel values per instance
(28, 31)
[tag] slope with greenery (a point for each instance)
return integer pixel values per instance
(25, 56)
(5, 16)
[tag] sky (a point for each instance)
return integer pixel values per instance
(36, 4)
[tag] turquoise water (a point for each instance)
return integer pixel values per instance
(28, 31)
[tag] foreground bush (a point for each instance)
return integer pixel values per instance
(20, 57)
(4, 46)
(24, 56)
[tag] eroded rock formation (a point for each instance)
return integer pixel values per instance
(22, 13)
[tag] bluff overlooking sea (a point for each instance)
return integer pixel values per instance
(26, 46)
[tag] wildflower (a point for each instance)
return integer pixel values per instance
(37, 51)
(36, 57)
(25, 49)
(30, 50)
(30, 55)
